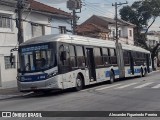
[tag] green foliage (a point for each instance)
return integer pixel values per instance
(140, 13)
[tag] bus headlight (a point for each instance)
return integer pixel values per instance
(51, 74)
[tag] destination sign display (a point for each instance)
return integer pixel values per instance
(34, 48)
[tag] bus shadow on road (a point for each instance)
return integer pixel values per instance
(52, 93)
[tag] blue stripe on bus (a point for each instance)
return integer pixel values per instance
(137, 70)
(33, 78)
(116, 72)
(107, 73)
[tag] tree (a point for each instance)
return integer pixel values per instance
(140, 13)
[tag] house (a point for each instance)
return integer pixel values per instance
(93, 30)
(107, 27)
(40, 19)
(153, 38)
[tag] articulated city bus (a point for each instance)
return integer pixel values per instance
(56, 62)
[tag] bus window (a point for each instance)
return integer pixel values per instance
(37, 60)
(112, 52)
(113, 57)
(61, 49)
(105, 52)
(126, 57)
(44, 59)
(98, 56)
(72, 56)
(80, 56)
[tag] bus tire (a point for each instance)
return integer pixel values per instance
(79, 83)
(112, 77)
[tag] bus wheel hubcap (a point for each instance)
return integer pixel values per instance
(78, 82)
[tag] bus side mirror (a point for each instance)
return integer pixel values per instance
(63, 55)
(11, 59)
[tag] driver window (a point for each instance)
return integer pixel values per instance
(61, 49)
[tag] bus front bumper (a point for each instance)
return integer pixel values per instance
(49, 84)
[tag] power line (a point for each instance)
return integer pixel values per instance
(98, 4)
(99, 12)
(99, 9)
(88, 4)
(109, 1)
(93, 11)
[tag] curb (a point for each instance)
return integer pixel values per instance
(154, 71)
(4, 97)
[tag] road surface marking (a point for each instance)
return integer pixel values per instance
(157, 86)
(141, 86)
(124, 86)
(108, 87)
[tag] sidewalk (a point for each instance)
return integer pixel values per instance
(9, 93)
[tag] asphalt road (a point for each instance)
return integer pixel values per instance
(136, 94)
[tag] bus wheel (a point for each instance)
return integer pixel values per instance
(79, 83)
(112, 77)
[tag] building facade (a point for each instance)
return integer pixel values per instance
(152, 40)
(108, 29)
(39, 19)
(93, 30)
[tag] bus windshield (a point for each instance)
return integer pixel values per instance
(37, 60)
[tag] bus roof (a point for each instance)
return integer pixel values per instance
(81, 41)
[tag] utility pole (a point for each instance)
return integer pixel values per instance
(74, 5)
(118, 45)
(74, 22)
(116, 17)
(19, 21)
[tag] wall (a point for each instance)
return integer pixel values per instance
(60, 22)
(8, 40)
(38, 18)
(7, 75)
(130, 38)
(125, 38)
(152, 40)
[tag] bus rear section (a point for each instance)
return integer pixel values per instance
(137, 61)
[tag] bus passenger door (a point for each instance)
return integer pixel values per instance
(131, 63)
(91, 64)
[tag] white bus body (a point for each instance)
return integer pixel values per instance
(76, 61)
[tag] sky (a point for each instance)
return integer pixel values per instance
(95, 7)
